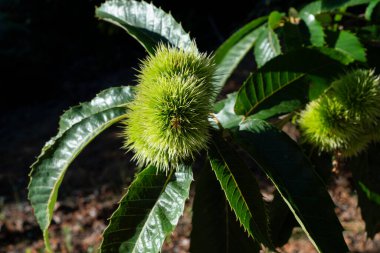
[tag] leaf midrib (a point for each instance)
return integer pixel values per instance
(151, 211)
(272, 93)
(60, 178)
(275, 91)
(131, 30)
(79, 148)
(54, 139)
(242, 196)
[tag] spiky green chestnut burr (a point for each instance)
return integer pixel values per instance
(359, 93)
(324, 124)
(347, 117)
(168, 120)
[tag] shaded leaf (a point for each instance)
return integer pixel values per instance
(370, 9)
(78, 127)
(148, 24)
(321, 162)
(267, 47)
(232, 51)
(335, 4)
(281, 221)
(350, 45)
(241, 189)
(337, 55)
(317, 86)
(366, 174)
(148, 212)
(291, 37)
(215, 228)
(265, 88)
(292, 174)
(370, 193)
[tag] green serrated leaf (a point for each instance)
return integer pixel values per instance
(313, 8)
(266, 88)
(335, 4)
(267, 47)
(350, 45)
(78, 127)
(214, 225)
(232, 51)
(317, 35)
(293, 176)
(366, 175)
(319, 7)
(274, 19)
(336, 55)
(148, 212)
(103, 101)
(225, 113)
(148, 24)
(370, 8)
(259, 87)
(241, 190)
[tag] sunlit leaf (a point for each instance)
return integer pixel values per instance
(241, 189)
(215, 228)
(145, 22)
(148, 212)
(267, 47)
(232, 51)
(78, 127)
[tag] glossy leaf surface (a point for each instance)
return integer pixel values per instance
(78, 127)
(145, 22)
(232, 51)
(148, 212)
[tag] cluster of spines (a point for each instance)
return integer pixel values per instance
(168, 120)
(346, 117)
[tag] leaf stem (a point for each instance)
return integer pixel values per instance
(47, 242)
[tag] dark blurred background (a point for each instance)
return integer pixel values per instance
(53, 49)
(55, 54)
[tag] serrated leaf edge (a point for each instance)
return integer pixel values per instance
(244, 201)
